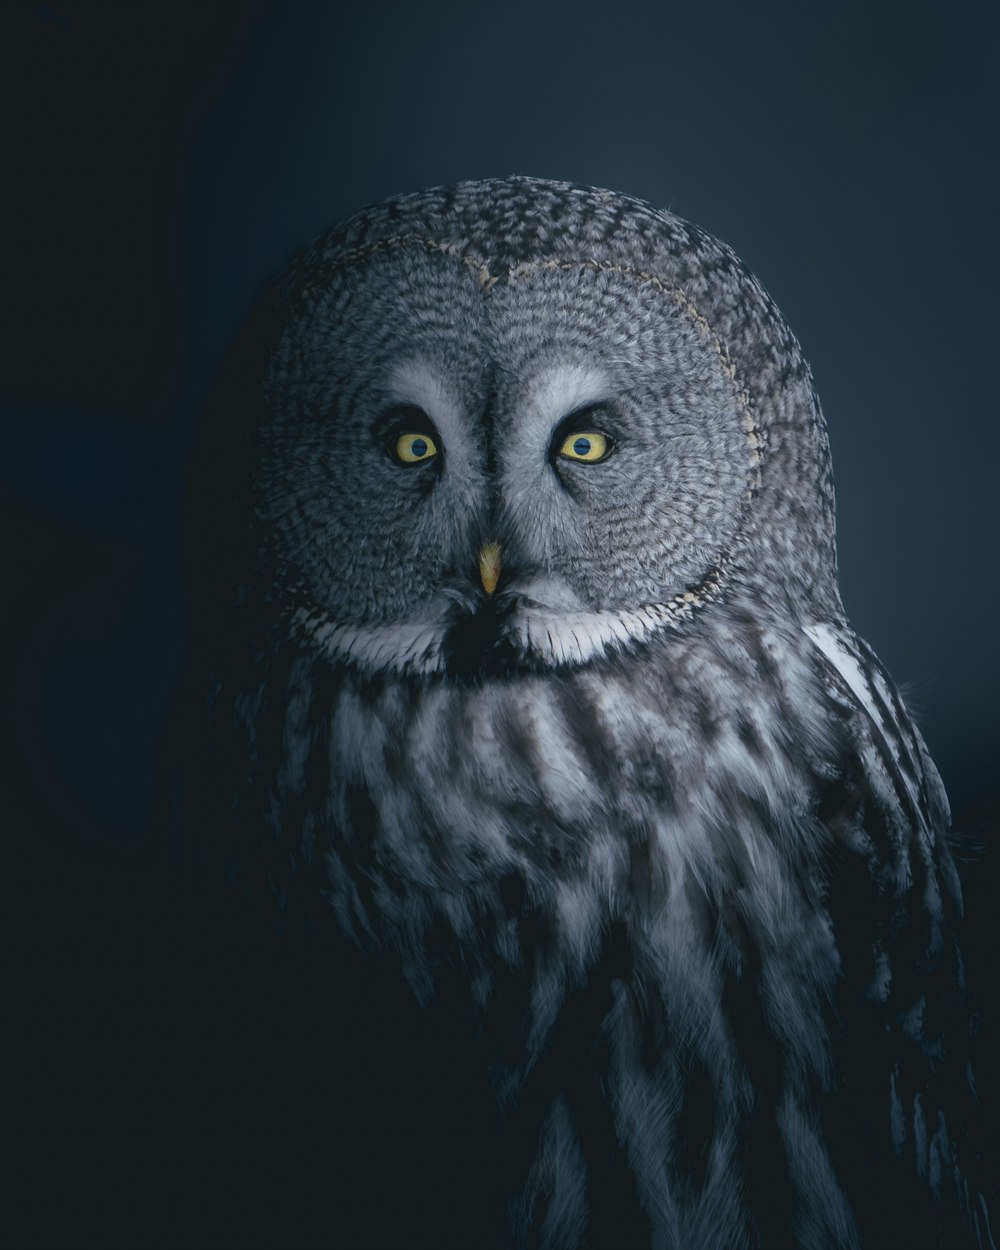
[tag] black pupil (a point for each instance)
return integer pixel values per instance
(418, 447)
(581, 446)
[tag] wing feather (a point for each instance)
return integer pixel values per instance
(905, 1015)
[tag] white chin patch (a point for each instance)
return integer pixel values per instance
(554, 638)
(413, 647)
(576, 637)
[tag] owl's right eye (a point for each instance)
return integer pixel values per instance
(414, 448)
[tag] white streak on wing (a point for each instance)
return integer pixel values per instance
(830, 641)
(823, 635)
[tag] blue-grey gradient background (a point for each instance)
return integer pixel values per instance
(846, 151)
(163, 160)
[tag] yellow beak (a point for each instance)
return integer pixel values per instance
(489, 566)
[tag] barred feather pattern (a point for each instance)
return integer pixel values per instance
(704, 944)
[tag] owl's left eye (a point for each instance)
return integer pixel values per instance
(588, 446)
(414, 447)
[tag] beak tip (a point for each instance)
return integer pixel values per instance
(489, 566)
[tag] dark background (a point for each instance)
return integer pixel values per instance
(161, 161)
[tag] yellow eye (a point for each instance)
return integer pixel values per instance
(412, 448)
(585, 446)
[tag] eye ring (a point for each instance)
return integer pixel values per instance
(585, 446)
(414, 447)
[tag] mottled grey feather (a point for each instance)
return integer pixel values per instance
(650, 821)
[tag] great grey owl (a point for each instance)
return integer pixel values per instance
(619, 868)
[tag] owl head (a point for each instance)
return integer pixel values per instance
(520, 423)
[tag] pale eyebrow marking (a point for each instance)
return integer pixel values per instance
(415, 382)
(563, 389)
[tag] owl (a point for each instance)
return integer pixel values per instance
(609, 868)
